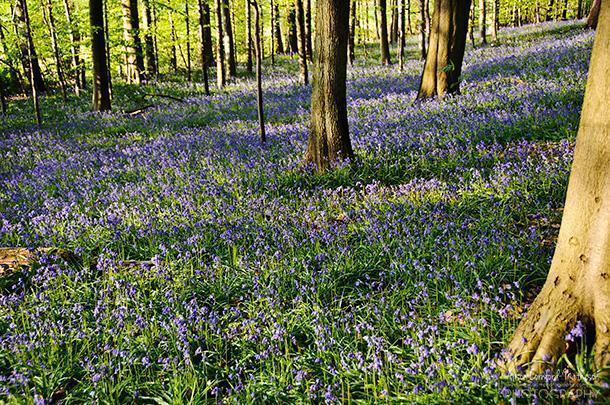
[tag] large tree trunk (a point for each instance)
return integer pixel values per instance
(446, 49)
(353, 21)
(277, 31)
(259, 72)
(77, 65)
(594, 14)
(383, 34)
(228, 39)
(293, 41)
(220, 48)
(329, 133)
(578, 284)
(149, 43)
(101, 81)
(26, 43)
(203, 52)
(422, 29)
(302, 41)
(133, 45)
(483, 21)
(49, 18)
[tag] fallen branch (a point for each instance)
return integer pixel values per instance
(139, 110)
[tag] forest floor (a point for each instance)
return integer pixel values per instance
(212, 267)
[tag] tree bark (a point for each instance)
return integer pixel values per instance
(133, 45)
(443, 65)
(578, 284)
(308, 32)
(101, 81)
(401, 34)
(394, 22)
(383, 34)
(277, 31)
(302, 41)
(228, 39)
(77, 65)
(220, 49)
(594, 14)
(483, 21)
(293, 42)
(422, 29)
(329, 133)
(28, 50)
(149, 43)
(495, 22)
(248, 37)
(259, 72)
(272, 25)
(203, 52)
(353, 21)
(187, 21)
(49, 18)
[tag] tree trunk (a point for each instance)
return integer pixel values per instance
(74, 47)
(408, 17)
(422, 29)
(203, 52)
(101, 88)
(549, 10)
(383, 34)
(443, 65)
(394, 22)
(401, 34)
(594, 14)
(329, 133)
(248, 37)
(579, 10)
(187, 21)
(577, 288)
(149, 43)
(302, 41)
(133, 46)
(30, 58)
(107, 44)
(259, 72)
(472, 24)
(28, 51)
(495, 22)
(293, 42)
(220, 48)
(277, 31)
(272, 25)
(483, 21)
(49, 19)
(174, 54)
(352, 32)
(308, 32)
(2, 97)
(228, 39)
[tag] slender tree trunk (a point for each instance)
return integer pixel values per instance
(293, 41)
(228, 38)
(408, 15)
(352, 32)
(302, 41)
(376, 9)
(28, 50)
(446, 50)
(272, 25)
(49, 18)
(483, 21)
(427, 9)
(594, 14)
(495, 23)
(394, 22)
(209, 46)
(133, 46)
(308, 32)
(174, 54)
(277, 31)
(187, 21)
(30, 56)
(107, 45)
(2, 97)
(202, 45)
(577, 288)
(579, 10)
(149, 43)
(549, 10)
(472, 24)
(101, 79)
(401, 34)
(74, 46)
(383, 34)
(154, 36)
(259, 72)
(248, 37)
(422, 29)
(329, 132)
(220, 49)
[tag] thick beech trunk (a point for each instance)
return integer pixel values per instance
(220, 48)
(329, 133)
(578, 284)
(301, 34)
(203, 52)
(443, 65)
(28, 50)
(101, 79)
(228, 39)
(383, 34)
(594, 14)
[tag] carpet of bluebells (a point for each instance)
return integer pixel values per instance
(398, 277)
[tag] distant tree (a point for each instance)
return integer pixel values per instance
(401, 34)
(259, 71)
(329, 132)
(101, 81)
(277, 31)
(483, 21)
(203, 52)
(133, 45)
(594, 14)
(187, 23)
(78, 66)
(174, 53)
(495, 20)
(229, 44)
(302, 44)
(220, 49)
(577, 287)
(49, 19)
(149, 42)
(248, 36)
(383, 34)
(29, 56)
(353, 22)
(308, 31)
(443, 65)
(293, 42)
(422, 29)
